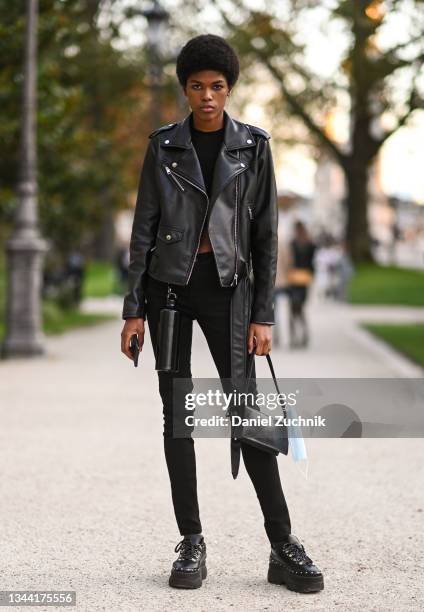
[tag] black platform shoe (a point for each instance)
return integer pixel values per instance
(290, 565)
(189, 569)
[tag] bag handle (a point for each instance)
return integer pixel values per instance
(271, 367)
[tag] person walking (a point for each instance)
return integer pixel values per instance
(300, 276)
(206, 210)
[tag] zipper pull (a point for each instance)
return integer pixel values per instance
(173, 177)
(234, 281)
(250, 212)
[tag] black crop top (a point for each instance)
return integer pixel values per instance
(207, 145)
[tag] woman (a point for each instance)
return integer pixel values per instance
(302, 253)
(207, 204)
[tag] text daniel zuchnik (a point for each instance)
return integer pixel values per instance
(276, 420)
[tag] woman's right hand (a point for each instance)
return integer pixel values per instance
(132, 326)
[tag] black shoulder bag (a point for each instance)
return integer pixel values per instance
(269, 438)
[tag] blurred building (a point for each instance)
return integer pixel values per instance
(328, 214)
(123, 223)
(292, 207)
(408, 232)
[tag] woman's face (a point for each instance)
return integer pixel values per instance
(207, 89)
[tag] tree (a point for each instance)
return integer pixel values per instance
(370, 75)
(89, 120)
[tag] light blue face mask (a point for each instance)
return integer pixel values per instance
(297, 443)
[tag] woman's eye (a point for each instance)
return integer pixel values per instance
(199, 86)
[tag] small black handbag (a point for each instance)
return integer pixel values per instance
(271, 439)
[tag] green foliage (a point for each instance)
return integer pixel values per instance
(86, 92)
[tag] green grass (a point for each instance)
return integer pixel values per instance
(2, 287)
(100, 279)
(373, 284)
(57, 320)
(408, 339)
(99, 282)
(2, 294)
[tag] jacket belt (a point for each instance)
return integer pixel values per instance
(240, 311)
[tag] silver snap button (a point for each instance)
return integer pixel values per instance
(249, 141)
(242, 165)
(168, 236)
(166, 141)
(174, 164)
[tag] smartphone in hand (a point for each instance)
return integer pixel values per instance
(134, 349)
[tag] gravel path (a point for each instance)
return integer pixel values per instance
(85, 493)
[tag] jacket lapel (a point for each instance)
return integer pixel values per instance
(236, 136)
(227, 166)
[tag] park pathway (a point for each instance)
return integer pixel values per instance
(85, 501)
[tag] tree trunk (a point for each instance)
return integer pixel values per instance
(357, 230)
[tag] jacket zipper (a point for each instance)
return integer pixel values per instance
(235, 277)
(250, 213)
(174, 175)
(171, 174)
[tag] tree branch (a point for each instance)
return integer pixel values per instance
(415, 102)
(298, 110)
(296, 107)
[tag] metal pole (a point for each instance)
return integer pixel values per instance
(25, 249)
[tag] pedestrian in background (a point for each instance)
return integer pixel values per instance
(300, 275)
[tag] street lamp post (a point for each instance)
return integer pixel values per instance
(157, 18)
(25, 249)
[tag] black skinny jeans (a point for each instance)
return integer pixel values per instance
(205, 300)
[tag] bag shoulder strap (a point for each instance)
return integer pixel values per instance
(271, 367)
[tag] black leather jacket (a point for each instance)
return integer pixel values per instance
(172, 207)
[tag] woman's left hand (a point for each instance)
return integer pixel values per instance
(261, 337)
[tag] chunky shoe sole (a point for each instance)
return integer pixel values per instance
(188, 580)
(277, 574)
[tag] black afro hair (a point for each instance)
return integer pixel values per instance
(207, 52)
